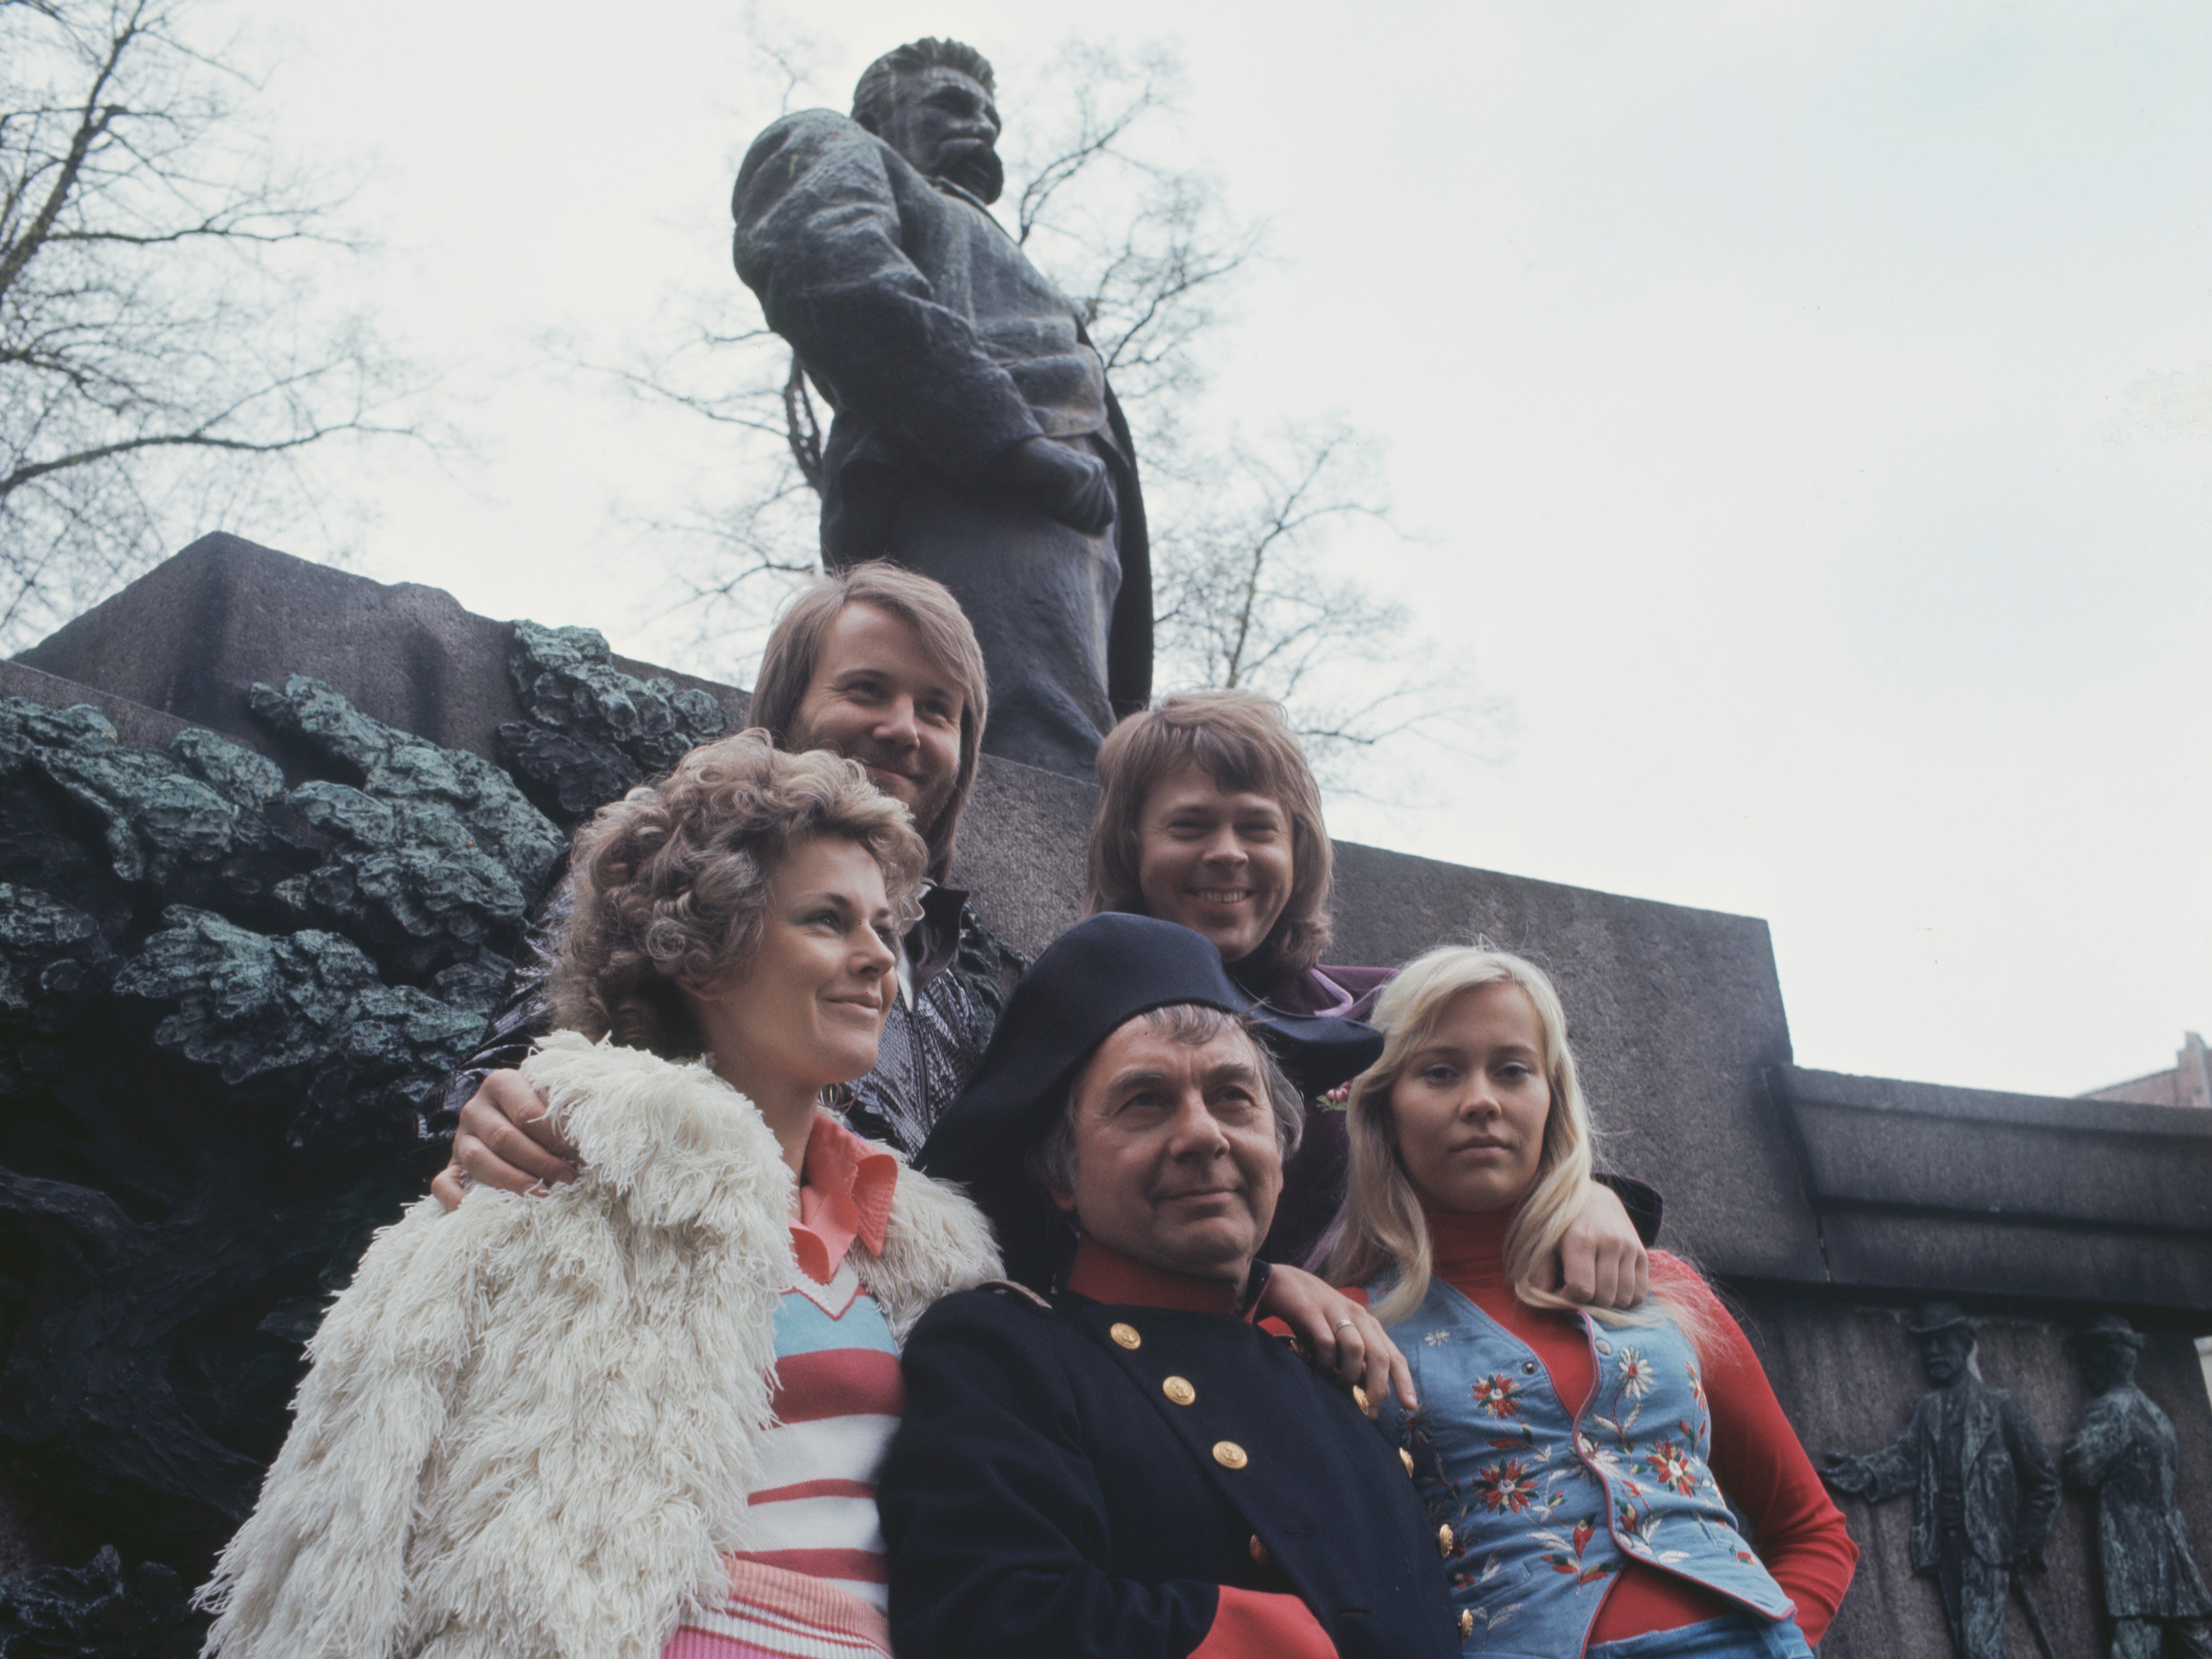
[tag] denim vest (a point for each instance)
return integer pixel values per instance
(1545, 1506)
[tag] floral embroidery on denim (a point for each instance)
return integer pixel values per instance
(1506, 1486)
(1545, 1503)
(1496, 1396)
(1567, 1556)
(1672, 1465)
(1635, 1376)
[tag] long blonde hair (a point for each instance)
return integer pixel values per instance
(1383, 1230)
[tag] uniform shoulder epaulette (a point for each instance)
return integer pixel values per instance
(1008, 1287)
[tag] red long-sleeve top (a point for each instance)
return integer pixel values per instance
(1799, 1533)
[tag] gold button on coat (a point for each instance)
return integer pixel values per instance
(1229, 1455)
(1179, 1390)
(1359, 1394)
(1443, 1535)
(1125, 1334)
(1466, 1622)
(1406, 1458)
(1259, 1550)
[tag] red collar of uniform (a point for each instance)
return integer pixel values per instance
(844, 1193)
(1104, 1274)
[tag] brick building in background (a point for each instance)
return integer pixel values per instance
(2187, 1081)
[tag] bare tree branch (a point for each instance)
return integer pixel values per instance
(1097, 135)
(164, 353)
(803, 426)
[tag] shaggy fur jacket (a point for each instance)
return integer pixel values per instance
(532, 1425)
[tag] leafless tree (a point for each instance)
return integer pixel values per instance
(1243, 530)
(164, 363)
(1246, 595)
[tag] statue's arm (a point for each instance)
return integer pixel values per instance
(1877, 1476)
(2096, 1445)
(1895, 1470)
(820, 240)
(2038, 1479)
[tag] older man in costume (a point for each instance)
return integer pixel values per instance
(1111, 1460)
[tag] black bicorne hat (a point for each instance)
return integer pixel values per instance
(1103, 972)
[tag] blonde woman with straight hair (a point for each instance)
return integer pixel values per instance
(1586, 1467)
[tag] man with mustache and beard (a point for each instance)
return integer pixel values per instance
(976, 440)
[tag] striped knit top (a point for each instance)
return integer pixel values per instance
(838, 1394)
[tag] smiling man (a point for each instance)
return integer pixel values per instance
(880, 665)
(1113, 1460)
(976, 438)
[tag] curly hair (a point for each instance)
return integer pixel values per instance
(671, 881)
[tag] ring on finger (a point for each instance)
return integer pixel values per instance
(1338, 1326)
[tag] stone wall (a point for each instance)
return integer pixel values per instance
(1823, 1203)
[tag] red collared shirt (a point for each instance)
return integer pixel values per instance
(845, 1189)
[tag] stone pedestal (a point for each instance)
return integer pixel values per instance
(1823, 1204)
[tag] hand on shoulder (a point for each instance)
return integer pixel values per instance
(505, 1141)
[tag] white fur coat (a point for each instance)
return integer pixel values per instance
(532, 1425)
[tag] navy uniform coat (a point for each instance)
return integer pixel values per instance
(1045, 1495)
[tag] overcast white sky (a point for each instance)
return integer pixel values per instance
(1806, 413)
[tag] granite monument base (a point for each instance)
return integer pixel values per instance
(1824, 1205)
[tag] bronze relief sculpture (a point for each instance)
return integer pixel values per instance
(2125, 1453)
(1984, 1489)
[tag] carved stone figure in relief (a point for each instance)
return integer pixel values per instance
(2125, 1452)
(1984, 1488)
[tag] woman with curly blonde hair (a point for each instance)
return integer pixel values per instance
(643, 1414)
(1586, 1466)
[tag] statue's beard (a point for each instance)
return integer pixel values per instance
(975, 167)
